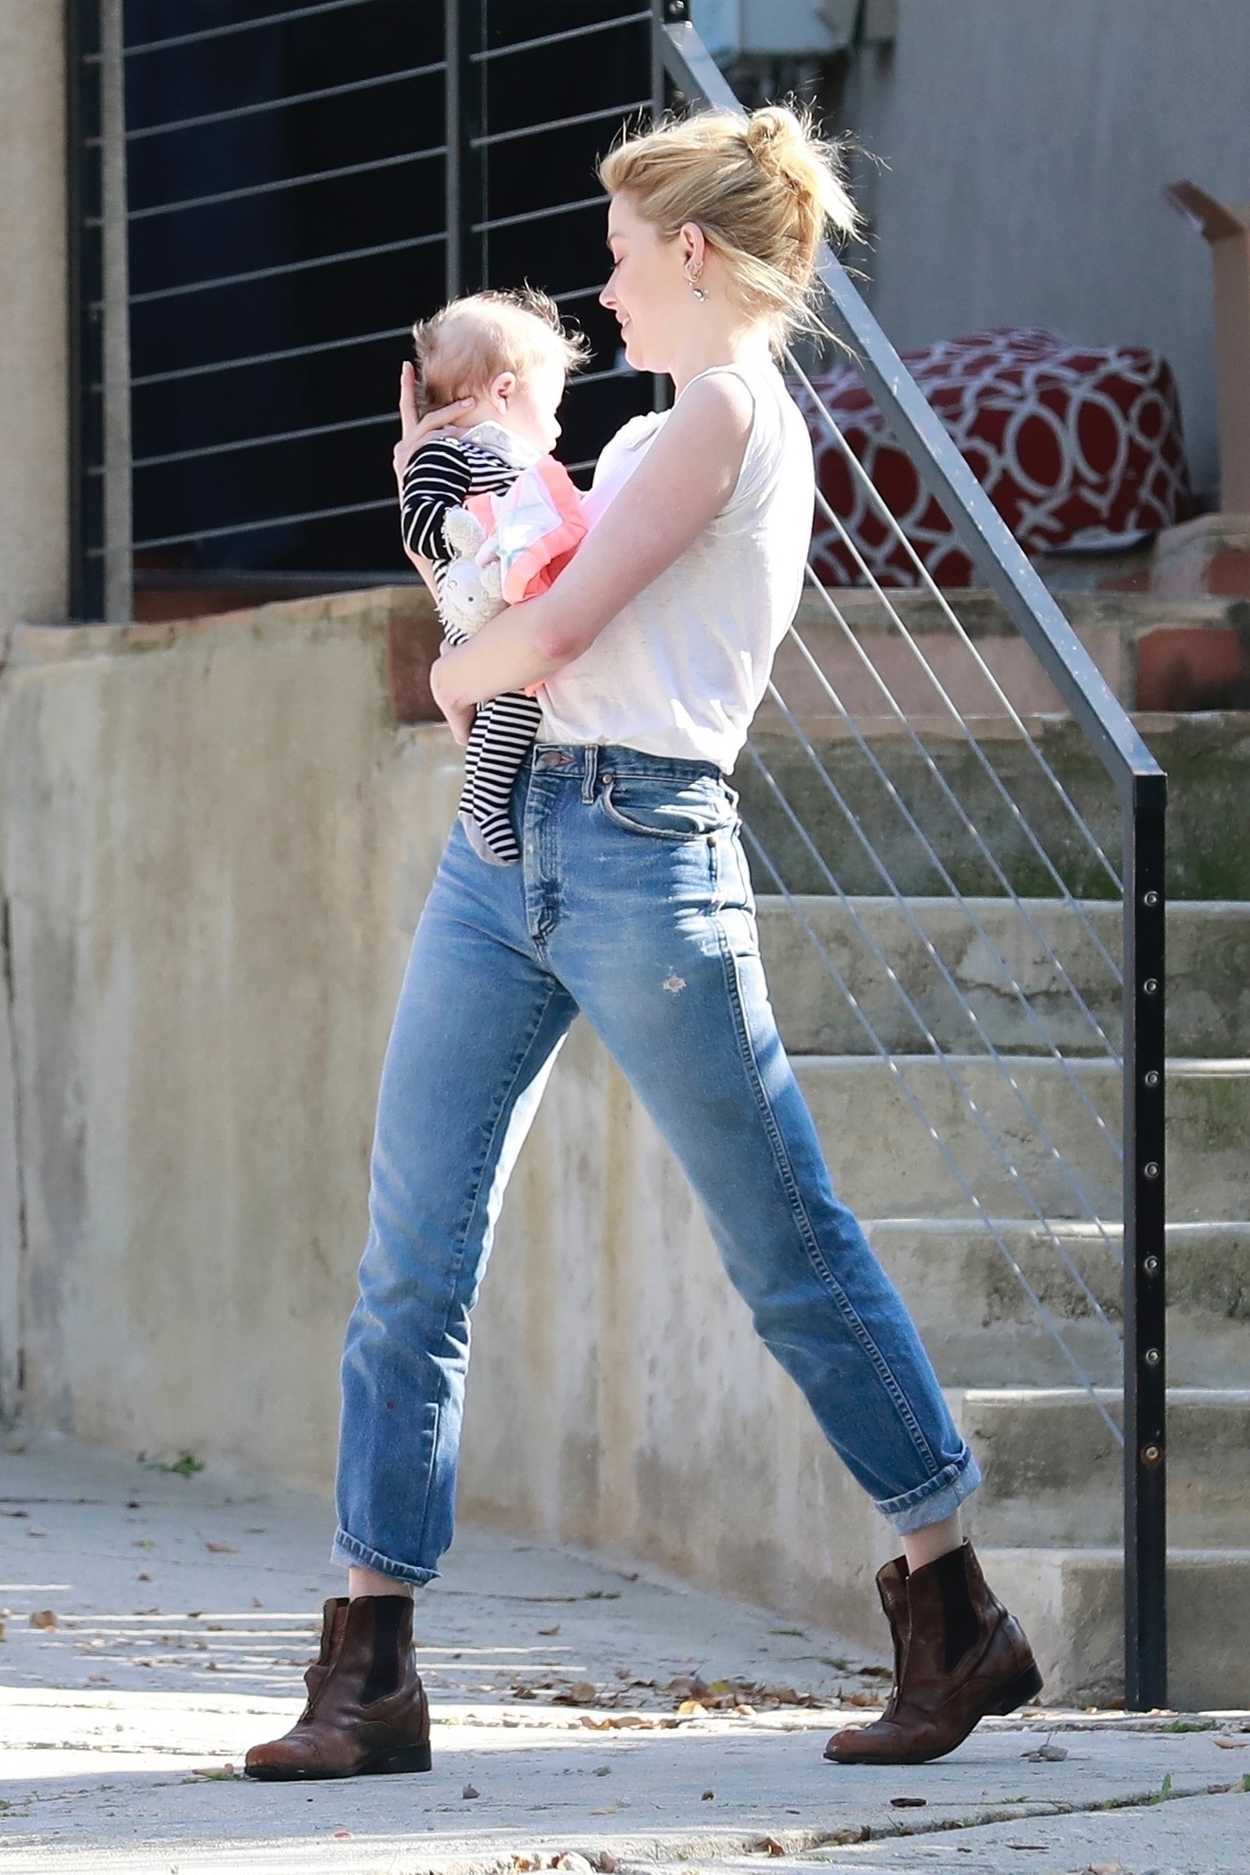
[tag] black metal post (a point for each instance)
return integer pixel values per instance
(663, 13)
(84, 271)
(1145, 1261)
(466, 169)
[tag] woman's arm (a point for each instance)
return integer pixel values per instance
(683, 482)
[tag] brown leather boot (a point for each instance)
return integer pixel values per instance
(958, 1655)
(366, 1709)
(333, 1615)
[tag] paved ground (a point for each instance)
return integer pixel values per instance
(185, 1609)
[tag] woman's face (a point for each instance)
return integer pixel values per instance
(645, 288)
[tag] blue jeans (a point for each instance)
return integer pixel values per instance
(633, 904)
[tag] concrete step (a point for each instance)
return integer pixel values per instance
(1008, 961)
(1071, 1604)
(887, 1163)
(855, 637)
(981, 1329)
(1206, 755)
(1052, 1465)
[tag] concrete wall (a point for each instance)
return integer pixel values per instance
(33, 356)
(34, 484)
(1028, 150)
(215, 846)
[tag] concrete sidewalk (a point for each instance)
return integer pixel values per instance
(173, 1617)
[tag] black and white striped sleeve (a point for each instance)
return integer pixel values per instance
(437, 478)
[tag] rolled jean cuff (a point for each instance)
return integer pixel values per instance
(936, 1499)
(358, 1555)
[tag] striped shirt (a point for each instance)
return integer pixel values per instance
(486, 460)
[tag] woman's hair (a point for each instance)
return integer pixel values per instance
(762, 187)
(461, 347)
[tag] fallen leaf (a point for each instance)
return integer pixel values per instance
(908, 1803)
(554, 1630)
(574, 1863)
(767, 1845)
(230, 1547)
(342, 1833)
(691, 1709)
(1046, 1754)
(1105, 1868)
(709, 1796)
(44, 1618)
(470, 1791)
(687, 1685)
(1233, 1744)
(859, 1699)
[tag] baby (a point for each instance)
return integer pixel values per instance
(509, 351)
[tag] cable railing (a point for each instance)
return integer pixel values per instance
(1001, 1050)
(1004, 1158)
(239, 454)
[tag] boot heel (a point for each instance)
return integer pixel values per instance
(1025, 1686)
(410, 1758)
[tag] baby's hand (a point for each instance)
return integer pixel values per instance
(415, 430)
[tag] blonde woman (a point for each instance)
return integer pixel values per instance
(632, 903)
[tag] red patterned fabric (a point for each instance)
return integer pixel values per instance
(1076, 447)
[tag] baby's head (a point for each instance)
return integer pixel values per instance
(506, 348)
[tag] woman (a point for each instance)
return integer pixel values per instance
(633, 904)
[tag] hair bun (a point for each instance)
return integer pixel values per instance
(772, 134)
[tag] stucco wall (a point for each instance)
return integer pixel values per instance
(34, 483)
(1028, 151)
(33, 388)
(215, 846)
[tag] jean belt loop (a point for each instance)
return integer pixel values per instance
(591, 770)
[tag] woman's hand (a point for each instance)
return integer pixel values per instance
(415, 430)
(459, 715)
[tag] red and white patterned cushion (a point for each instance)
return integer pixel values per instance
(1076, 447)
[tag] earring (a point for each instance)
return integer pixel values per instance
(698, 291)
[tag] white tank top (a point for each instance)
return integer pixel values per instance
(682, 668)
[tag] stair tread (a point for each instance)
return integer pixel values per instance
(1175, 1396)
(1110, 1554)
(1207, 1066)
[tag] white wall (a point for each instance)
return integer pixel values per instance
(1028, 149)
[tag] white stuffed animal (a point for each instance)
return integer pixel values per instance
(472, 590)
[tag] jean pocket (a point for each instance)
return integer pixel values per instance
(661, 808)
